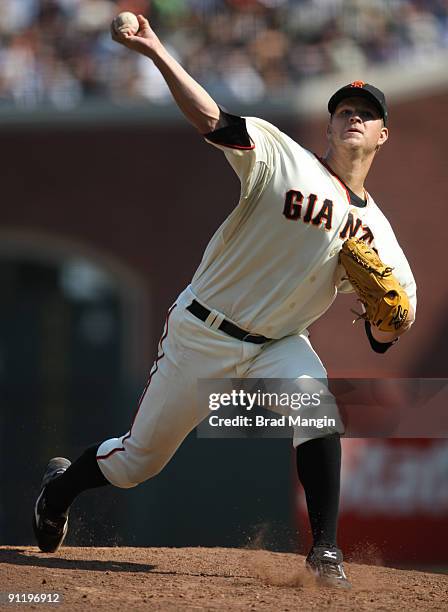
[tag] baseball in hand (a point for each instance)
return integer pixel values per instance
(126, 22)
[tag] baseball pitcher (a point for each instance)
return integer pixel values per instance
(303, 229)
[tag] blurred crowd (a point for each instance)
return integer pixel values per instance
(59, 52)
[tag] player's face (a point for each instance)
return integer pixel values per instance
(357, 124)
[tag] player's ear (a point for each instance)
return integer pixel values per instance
(384, 135)
(329, 128)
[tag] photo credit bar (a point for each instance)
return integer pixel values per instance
(266, 408)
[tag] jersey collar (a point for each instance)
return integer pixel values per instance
(352, 198)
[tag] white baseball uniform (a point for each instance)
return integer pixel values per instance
(271, 269)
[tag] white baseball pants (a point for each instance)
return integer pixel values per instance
(190, 349)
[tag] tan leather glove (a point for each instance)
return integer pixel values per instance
(385, 300)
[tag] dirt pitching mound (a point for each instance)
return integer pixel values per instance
(174, 579)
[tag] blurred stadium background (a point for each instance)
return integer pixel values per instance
(90, 259)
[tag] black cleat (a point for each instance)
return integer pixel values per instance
(50, 528)
(325, 562)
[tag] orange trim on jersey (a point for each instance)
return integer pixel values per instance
(159, 357)
(229, 146)
(325, 165)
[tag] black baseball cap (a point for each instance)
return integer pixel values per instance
(359, 88)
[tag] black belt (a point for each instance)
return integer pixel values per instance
(227, 327)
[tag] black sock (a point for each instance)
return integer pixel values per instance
(83, 474)
(319, 470)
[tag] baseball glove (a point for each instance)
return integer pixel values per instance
(384, 299)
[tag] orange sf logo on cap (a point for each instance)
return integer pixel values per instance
(357, 84)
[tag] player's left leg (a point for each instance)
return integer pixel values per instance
(294, 361)
(167, 411)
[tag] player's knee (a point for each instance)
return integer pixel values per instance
(129, 466)
(143, 469)
(131, 477)
(154, 467)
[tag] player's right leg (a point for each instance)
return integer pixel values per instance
(293, 363)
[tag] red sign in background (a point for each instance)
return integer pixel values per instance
(394, 502)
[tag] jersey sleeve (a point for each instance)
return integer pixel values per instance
(250, 146)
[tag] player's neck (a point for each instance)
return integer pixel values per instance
(352, 170)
